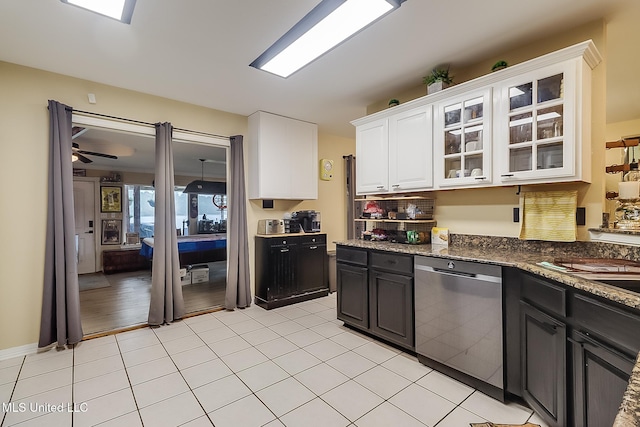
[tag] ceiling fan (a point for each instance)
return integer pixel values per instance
(76, 131)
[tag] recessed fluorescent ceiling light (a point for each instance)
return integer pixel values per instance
(329, 23)
(122, 10)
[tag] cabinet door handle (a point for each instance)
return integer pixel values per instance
(284, 250)
(507, 175)
(396, 185)
(480, 178)
(313, 247)
(380, 187)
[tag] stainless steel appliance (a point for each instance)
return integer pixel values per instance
(309, 221)
(458, 321)
(270, 226)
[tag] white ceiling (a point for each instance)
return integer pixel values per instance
(198, 51)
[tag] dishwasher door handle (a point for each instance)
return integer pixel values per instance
(472, 276)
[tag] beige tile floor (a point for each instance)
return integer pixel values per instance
(292, 366)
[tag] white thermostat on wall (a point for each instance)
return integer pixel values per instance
(326, 169)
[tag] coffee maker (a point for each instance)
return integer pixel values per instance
(309, 221)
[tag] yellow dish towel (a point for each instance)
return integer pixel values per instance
(549, 215)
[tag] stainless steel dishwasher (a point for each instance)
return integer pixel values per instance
(458, 321)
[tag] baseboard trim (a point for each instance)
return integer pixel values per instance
(22, 350)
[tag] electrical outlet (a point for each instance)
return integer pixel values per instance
(581, 216)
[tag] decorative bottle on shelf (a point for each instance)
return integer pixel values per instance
(633, 174)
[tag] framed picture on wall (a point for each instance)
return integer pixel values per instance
(110, 199)
(111, 231)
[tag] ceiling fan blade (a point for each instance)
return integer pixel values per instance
(91, 153)
(83, 159)
(76, 131)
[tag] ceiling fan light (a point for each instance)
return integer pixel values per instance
(74, 157)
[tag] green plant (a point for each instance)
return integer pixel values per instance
(438, 74)
(499, 64)
(393, 102)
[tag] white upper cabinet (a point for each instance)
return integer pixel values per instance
(529, 123)
(539, 136)
(410, 150)
(394, 153)
(462, 135)
(283, 158)
(372, 157)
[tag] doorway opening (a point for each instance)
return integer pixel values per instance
(116, 294)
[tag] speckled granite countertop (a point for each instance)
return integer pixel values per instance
(506, 255)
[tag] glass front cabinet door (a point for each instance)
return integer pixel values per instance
(536, 133)
(462, 140)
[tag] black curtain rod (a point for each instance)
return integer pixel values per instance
(149, 124)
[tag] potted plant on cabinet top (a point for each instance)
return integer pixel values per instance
(500, 65)
(393, 102)
(437, 80)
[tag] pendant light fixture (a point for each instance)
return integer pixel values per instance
(200, 186)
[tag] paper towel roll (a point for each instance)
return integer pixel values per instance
(628, 190)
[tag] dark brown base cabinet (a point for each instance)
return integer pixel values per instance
(375, 294)
(601, 377)
(576, 351)
(290, 269)
(353, 294)
(544, 364)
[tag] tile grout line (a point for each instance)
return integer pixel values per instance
(13, 390)
(135, 401)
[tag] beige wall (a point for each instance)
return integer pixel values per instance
(24, 133)
(490, 211)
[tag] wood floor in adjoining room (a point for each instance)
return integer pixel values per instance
(121, 300)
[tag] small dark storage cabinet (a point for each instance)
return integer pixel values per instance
(290, 269)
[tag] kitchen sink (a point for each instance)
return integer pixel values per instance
(619, 273)
(632, 285)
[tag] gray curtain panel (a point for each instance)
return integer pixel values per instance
(238, 293)
(167, 303)
(60, 320)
